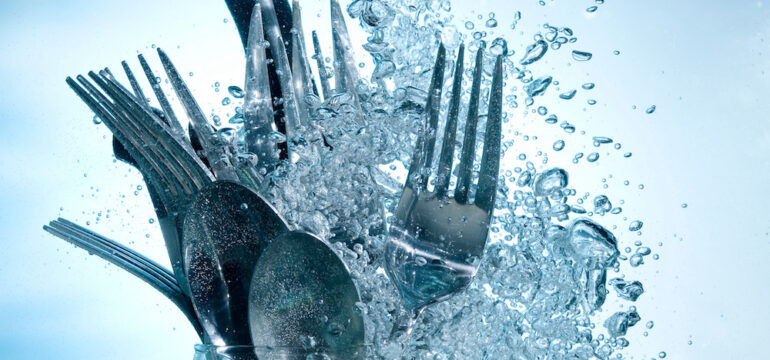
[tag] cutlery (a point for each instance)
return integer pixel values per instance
(164, 157)
(135, 263)
(302, 297)
(224, 234)
(433, 248)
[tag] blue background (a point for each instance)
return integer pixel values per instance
(702, 63)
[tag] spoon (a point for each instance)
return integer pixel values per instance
(225, 231)
(303, 299)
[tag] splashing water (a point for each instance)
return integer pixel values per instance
(544, 274)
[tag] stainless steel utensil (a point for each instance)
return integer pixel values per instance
(135, 263)
(303, 297)
(224, 234)
(433, 248)
(164, 157)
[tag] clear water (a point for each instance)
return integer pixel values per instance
(542, 284)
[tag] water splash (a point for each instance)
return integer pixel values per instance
(543, 277)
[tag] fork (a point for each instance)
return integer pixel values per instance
(164, 156)
(135, 263)
(434, 246)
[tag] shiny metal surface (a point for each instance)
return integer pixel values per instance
(133, 262)
(224, 233)
(434, 247)
(303, 293)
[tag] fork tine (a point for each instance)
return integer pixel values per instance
(134, 84)
(108, 113)
(469, 141)
(156, 129)
(490, 158)
(162, 155)
(320, 63)
(194, 111)
(300, 54)
(257, 105)
(216, 155)
(423, 150)
(168, 112)
(114, 257)
(346, 75)
(103, 242)
(283, 69)
(448, 144)
(433, 106)
(301, 77)
(172, 292)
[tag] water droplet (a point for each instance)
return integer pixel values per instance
(468, 25)
(542, 110)
(635, 225)
(581, 55)
(244, 206)
(662, 354)
(592, 9)
(684, 205)
(498, 47)
(618, 324)
(551, 119)
(602, 204)
(226, 101)
(558, 145)
(277, 137)
(235, 91)
(97, 120)
(616, 52)
(491, 23)
(588, 86)
(594, 245)
(568, 95)
(538, 86)
(550, 181)
(636, 260)
(627, 290)
(650, 109)
(534, 52)
(592, 157)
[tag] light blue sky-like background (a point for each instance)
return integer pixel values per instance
(703, 64)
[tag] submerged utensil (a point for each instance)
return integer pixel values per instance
(225, 232)
(135, 263)
(303, 297)
(433, 249)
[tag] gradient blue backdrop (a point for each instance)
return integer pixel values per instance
(702, 63)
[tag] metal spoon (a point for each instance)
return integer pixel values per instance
(225, 231)
(302, 297)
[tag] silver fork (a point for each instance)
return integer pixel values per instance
(434, 246)
(164, 156)
(135, 263)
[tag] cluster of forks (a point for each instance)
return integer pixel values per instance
(448, 233)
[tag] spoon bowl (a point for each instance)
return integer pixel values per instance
(303, 297)
(225, 232)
